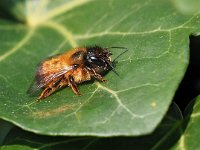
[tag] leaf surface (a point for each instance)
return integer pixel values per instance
(157, 37)
(159, 139)
(190, 128)
(174, 132)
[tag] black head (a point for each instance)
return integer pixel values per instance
(99, 59)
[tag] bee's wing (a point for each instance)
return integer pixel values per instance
(46, 79)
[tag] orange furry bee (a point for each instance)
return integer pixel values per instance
(71, 68)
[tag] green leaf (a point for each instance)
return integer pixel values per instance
(157, 37)
(159, 139)
(190, 129)
(15, 147)
(174, 132)
(5, 127)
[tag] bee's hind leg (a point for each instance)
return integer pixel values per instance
(46, 92)
(73, 85)
(51, 88)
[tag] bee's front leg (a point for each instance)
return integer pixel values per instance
(73, 85)
(98, 76)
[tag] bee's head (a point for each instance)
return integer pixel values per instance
(99, 59)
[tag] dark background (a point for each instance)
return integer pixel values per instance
(190, 85)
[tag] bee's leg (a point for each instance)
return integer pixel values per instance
(98, 76)
(50, 89)
(46, 92)
(73, 85)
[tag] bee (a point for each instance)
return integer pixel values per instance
(71, 68)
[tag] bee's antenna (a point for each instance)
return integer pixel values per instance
(112, 67)
(113, 70)
(125, 50)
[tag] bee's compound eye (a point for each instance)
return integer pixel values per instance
(93, 58)
(89, 58)
(75, 66)
(99, 62)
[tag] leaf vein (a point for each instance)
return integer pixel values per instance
(63, 31)
(139, 86)
(18, 46)
(65, 8)
(119, 100)
(99, 34)
(86, 101)
(109, 117)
